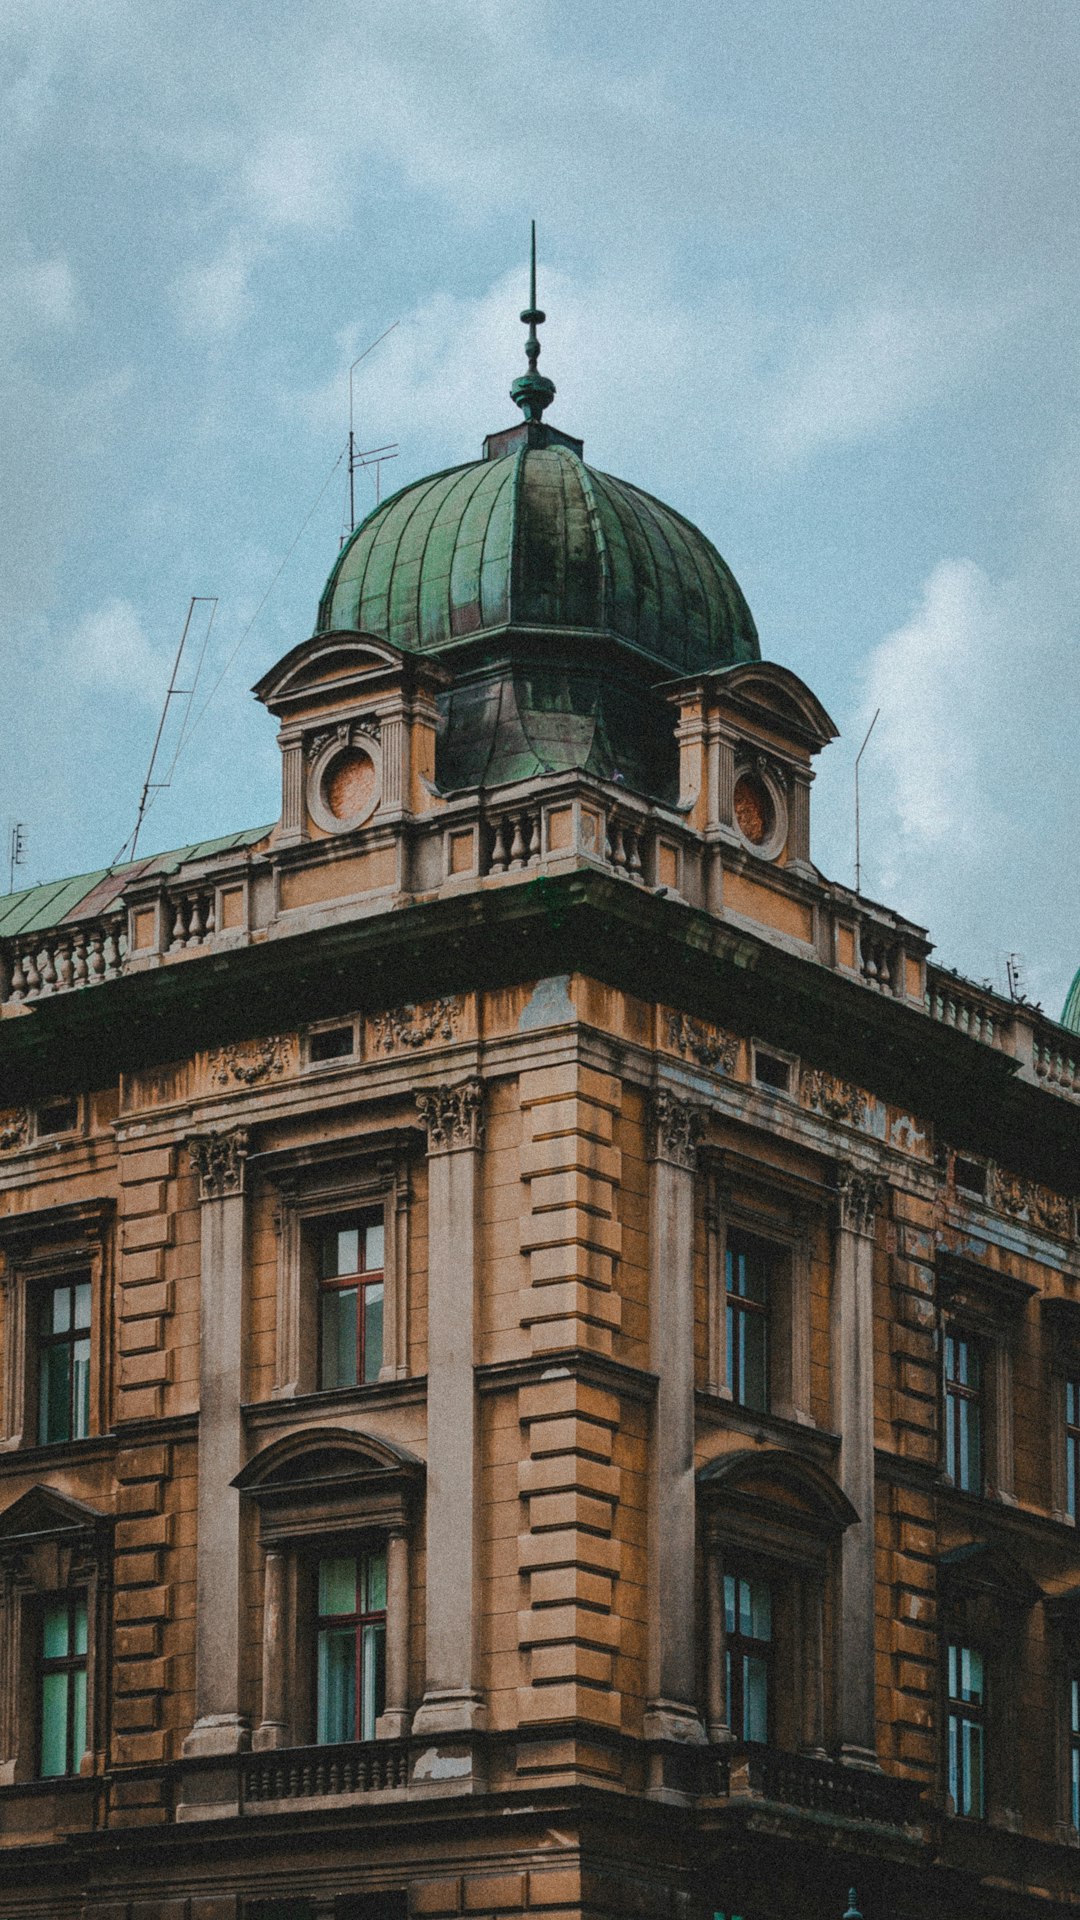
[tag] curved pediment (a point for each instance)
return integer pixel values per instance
(778, 697)
(322, 1456)
(332, 665)
(784, 1483)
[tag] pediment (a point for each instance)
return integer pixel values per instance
(335, 666)
(981, 1568)
(775, 697)
(772, 1479)
(42, 1511)
(326, 1457)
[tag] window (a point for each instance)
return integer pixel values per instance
(350, 1646)
(351, 1301)
(749, 1266)
(1074, 1750)
(749, 1648)
(970, 1176)
(64, 1360)
(1072, 1446)
(62, 1685)
(964, 1411)
(331, 1043)
(967, 1730)
(772, 1071)
(60, 1116)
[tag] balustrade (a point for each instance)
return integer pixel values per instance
(305, 1773)
(624, 844)
(880, 959)
(191, 918)
(957, 1005)
(515, 840)
(1057, 1066)
(59, 959)
(817, 1784)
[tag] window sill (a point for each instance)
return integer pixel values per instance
(380, 1393)
(815, 1443)
(57, 1452)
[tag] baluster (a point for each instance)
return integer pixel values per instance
(33, 975)
(18, 985)
(517, 845)
(618, 852)
(633, 843)
(497, 863)
(110, 959)
(195, 922)
(46, 970)
(95, 962)
(211, 921)
(78, 960)
(179, 931)
(534, 837)
(63, 965)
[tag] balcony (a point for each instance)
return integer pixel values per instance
(320, 1773)
(815, 1784)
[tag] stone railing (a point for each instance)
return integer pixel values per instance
(970, 1009)
(513, 839)
(1056, 1060)
(307, 1773)
(59, 959)
(817, 1785)
(189, 917)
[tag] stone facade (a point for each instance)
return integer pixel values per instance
(577, 1062)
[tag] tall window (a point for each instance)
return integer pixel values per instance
(1072, 1446)
(351, 1301)
(1074, 1749)
(351, 1647)
(748, 1654)
(964, 1411)
(62, 1685)
(64, 1360)
(967, 1730)
(749, 1263)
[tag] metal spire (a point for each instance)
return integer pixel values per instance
(532, 391)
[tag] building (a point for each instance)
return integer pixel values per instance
(540, 1335)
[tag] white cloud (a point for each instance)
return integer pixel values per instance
(216, 298)
(110, 651)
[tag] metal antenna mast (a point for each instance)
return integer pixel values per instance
(858, 845)
(363, 459)
(16, 850)
(173, 692)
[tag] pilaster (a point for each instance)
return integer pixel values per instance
(858, 1197)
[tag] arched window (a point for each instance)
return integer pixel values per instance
(53, 1559)
(336, 1511)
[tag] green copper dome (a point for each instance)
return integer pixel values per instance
(1070, 1013)
(532, 540)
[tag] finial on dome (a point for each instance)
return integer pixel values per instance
(532, 391)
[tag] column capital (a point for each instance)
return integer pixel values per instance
(675, 1127)
(858, 1196)
(453, 1116)
(218, 1159)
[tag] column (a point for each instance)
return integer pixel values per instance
(218, 1160)
(393, 1722)
(719, 1726)
(272, 1729)
(452, 1701)
(674, 1133)
(811, 1631)
(858, 1196)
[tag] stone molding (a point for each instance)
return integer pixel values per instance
(219, 1160)
(417, 1022)
(675, 1129)
(858, 1198)
(14, 1129)
(837, 1099)
(453, 1116)
(1036, 1205)
(248, 1061)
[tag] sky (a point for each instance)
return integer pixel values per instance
(812, 276)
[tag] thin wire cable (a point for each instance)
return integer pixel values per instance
(316, 503)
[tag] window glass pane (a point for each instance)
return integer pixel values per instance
(79, 1623)
(54, 1709)
(950, 1357)
(374, 1566)
(1076, 1786)
(754, 1384)
(54, 1632)
(78, 1718)
(1075, 1690)
(373, 1247)
(953, 1653)
(373, 1330)
(760, 1627)
(338, 1332)
(755, 1698)
(80, 1402)
(973, 1767)
(729, 1602)
(755, 1283)
(730, 1359)
(82, 1304)
(337, 1586)
(1070, 1402)
(348, 1250)
(373, 1665)
(54, 1393)
(1071, 1451)
(61, 1309)
(336, 1716)
(972, 1675)
(954, 1761)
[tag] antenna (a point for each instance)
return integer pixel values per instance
(1014, 968)
(16, 851)
(363, 459)
(152, 787)
(858, 843)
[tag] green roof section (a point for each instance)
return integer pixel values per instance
(86, 895)
(532, 538)
(1070, 1012)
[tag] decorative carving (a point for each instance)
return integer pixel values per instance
(675, 1127)
(858, 1197)
(218, 1159)
(453, 1116)
(1038, 1206)
(709, 1045)
(14, 1128)
(414, 1024)
(835, 1098)
(248, 1061)
(347, 733)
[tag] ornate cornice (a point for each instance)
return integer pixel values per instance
(218, 1160)
(675, 1128)
(248, 1061)
(1035, 1205)
(453, 1116)
(14, 1129)
(710, 1046)
(836, 1099)
(858, 1197)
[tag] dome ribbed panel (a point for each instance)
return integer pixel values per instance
(556, 575)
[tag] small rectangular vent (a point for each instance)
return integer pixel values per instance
(60, 1116)
(970, 1176)
(771, 1071)
(331, 1043)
